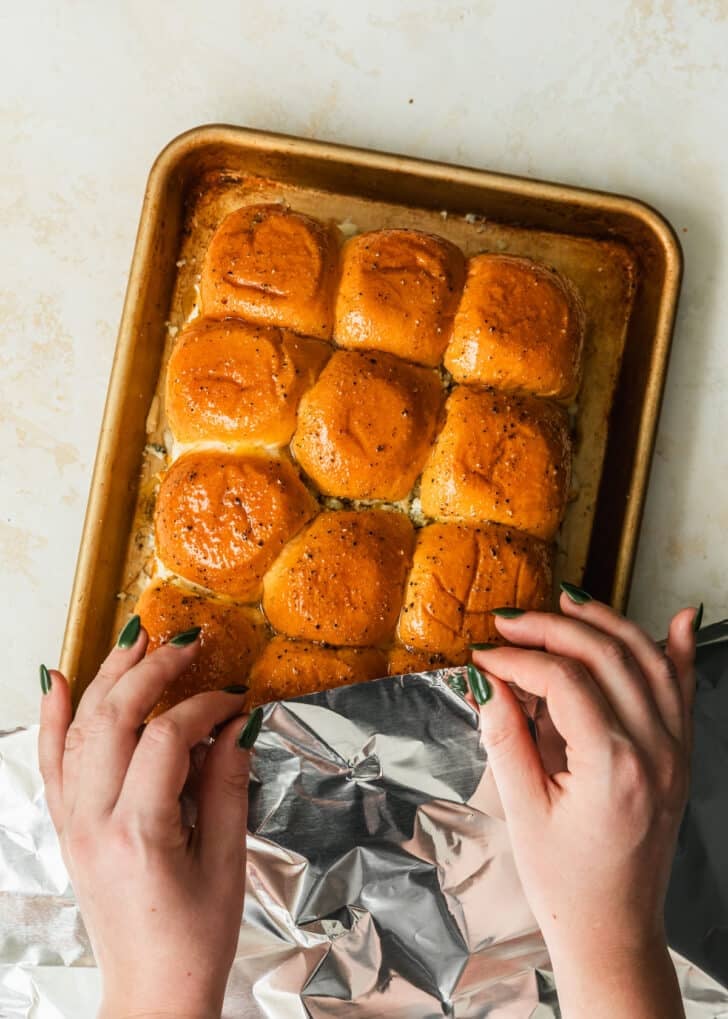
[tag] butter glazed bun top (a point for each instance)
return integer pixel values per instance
(291, 668)
(272, 266)
(519, 327)
(398, 292)
(232, 637)
(459, 573)
(222, 518)
(366, 427)
(500, 458)
(341, 579)
(230, 380)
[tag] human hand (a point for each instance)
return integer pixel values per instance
(162, 901)
(594, 843)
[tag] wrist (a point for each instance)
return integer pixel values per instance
(111, 1010)
(118, 1008)
(609, 979)
(621, 949)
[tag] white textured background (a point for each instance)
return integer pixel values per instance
(625, 96)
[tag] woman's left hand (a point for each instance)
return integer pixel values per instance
(162, 901)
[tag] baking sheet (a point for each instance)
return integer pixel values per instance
(620, 254)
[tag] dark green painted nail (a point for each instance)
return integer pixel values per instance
(45, 680)
(458, 685)
(129, 633)
(577, 594)
(481, 647)
(186, 637)
(506, 612)
(251, 730)
(698, 619)
(236, 688)
(479, 685)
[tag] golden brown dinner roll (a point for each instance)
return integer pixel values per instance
(231, 639)
(459, 573)
(398, 292)
(500, 457)
(231, 380)
(365, 429)
(221, 519)
(274, 266)
(341, 579)
(292, 668)
(520, 327)
(402, 660)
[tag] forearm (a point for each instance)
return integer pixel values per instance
(617, 984)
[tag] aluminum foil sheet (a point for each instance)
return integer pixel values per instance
(380, 877)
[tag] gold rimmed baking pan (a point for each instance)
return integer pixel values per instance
(623, 256)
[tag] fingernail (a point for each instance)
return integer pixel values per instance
(45, 680)
(186, 637)
(251, 730)
(235, 688)
(458, 685)
(506, 612)
(698, 618)
(479, 685)
(577, 594)
(481, 647)
(129, 633)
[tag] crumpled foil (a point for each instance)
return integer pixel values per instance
(380, 876)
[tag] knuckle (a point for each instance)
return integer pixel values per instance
(666, 670)
(79, 842)
(107, 674)
(499, 741)
(615, 652)
(235, 785)
(630, 772)
(672, 776)
(570, 671)
(74, 739)
(162, 731)
(106, 716)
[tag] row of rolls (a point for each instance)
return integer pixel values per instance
(375, 452)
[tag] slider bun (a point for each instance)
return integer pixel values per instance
(519, 327)
(402, 660)
(231, 639)
(500, 458)
(229, 380)
(272, 266)
(459, 574)
(221, 518)
(292, 668)
(341, 579)
(398, 292)
(366, 427)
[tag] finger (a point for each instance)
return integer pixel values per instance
(607, 659)
(681, 652)
(161, 762)
(120, 659)
(657, 668)
(55, 718)
(110, 734)
(512, 754)
(576, 704)
(222, 817)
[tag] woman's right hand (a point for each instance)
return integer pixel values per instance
(594, 843)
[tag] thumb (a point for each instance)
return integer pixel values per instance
(512, 754)
(222, 809)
